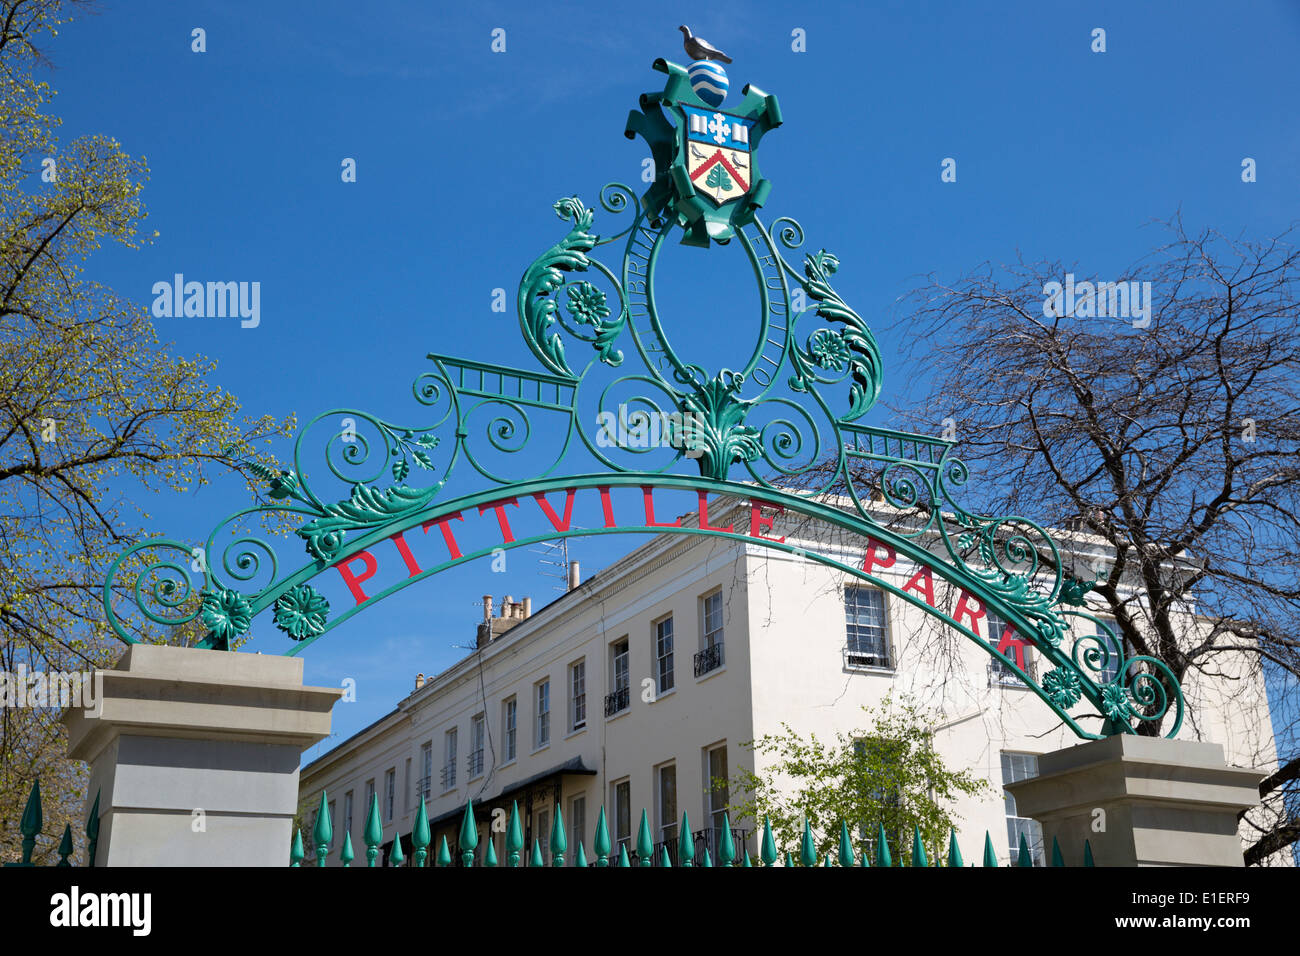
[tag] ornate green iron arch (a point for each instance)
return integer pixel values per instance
(772, 420)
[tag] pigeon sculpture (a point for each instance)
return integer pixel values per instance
(698, 49)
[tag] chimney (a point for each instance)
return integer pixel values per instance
(487, 607)
(574, 577)
(419, 681)
(528, 607)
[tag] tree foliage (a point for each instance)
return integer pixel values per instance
(94, 411)
(888, 775)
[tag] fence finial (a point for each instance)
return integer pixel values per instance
(686, 843)
(602, 844)
(468, 834)
(990, 858)
(374, 832)
(954, 852)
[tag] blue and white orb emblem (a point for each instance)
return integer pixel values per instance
(709, 81)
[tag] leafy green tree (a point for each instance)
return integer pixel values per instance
(94, 412)
(888, 775)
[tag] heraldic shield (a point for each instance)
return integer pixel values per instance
(717, 159)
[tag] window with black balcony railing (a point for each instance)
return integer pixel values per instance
(448, 776)
(475, 762)
(618, 701)
(709, 659)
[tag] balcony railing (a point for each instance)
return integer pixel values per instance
(617, 701)
(709, 838)
(448, 776)
(709, 659)
(859, 655)
(475, 762)
(423, 786)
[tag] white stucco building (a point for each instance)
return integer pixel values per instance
(641, 684)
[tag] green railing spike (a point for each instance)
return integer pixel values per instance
(514, 837)
(789, 860)
(645, 844)
(883, 856)
(746, 863)
(65, 846)
(807, 849)
(846, 845)
(323, 832)
(918, 850)
(664, 858)
(990, 858)
(954, 852)
(490, 857)
(397, 857)
(296, 852)
(92, 831)
(373, 835)
(726, 846)
(622, 855)
(826, 860)
(444, 854)
(32, 821)
(580, 858)
(1087, 854)
(559, 841)
(705, 859)
(686, 843)
(768, 849)
(420, 835)
(1057, 859)
(346, 854)
(468, 835)
(602, 844)
(1023, 858)
(536, 858)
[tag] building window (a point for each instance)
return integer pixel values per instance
(622, 815)
(710, 656)
(664, 655)
(511, 723)
(347, 812)
(542, 716)
(578, 695)
(390, 790)
(449, 759)
(868, 627)
(332, 818)
(407, 780)
(1111, 670)
(666, 787)
(577, 823)
(878, 751)
(542, 834)
(1000, 634)
(718, 789)
(426, 769)
(619, 699)
(477, 735)
(1021, 767)
(370, 796)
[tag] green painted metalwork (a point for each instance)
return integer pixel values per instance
(705, 859)
(323, 832)
(346, 855)
(65, 846)
(883, 857)
(918, 849)
(469, 836)
(514, 836)
(536, 858)
(396, 857)
(559, 842)
(954, 852)
(726, 845)
(444, 853)
(373, 835)
(846, 845)
(768, 850)
(990, 858)
(685, 843)
(297, 853)
(664, 859)
(789, 860)
(580, 858)
(33, 819)
(1087, 854)
(1023, 858)
(782, 427)
(644, 841)
(623, 858)
(807, 848)
(420, 835)
(490, 855)
(602, 844)
(1057, 859)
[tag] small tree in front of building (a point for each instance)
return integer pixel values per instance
(888, 775)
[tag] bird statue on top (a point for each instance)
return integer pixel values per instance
(698, 49)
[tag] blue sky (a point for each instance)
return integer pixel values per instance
(1061, 152)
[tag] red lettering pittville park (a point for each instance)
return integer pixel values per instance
(364, 565)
